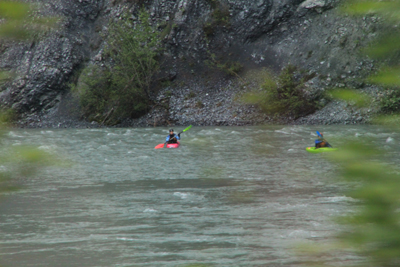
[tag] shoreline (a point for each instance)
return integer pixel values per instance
(202, 105)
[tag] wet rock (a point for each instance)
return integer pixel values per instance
(317, 5)
(255, 33)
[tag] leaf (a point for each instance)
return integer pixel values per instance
(360, 7)
(389, 76)
(13, 10)
(352, 96)
(19, 22)
(387, 45)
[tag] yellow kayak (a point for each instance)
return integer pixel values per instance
(320, 150)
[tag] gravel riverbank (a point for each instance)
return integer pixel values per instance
(213, 104)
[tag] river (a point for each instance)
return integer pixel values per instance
(228, 196)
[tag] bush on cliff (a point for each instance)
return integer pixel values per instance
(390, 102)
(94, 92)
(121, 88)
(284, 95)
(220, 16)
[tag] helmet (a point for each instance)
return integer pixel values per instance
(171, 130)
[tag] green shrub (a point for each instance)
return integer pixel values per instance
(94, 92)
(231, 67)
(213, 3)
(221, 14)
(121, 89)
(190, 95)
(199, 104)
(228, 66)
(390, 103)
(166, 28)
(219, 17)
(208, 28)
(284, 95)
(168, 93)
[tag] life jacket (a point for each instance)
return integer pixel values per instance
(321, 143)
(172, 140)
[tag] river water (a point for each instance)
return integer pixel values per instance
(228, 196)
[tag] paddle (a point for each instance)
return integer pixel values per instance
(162, 145)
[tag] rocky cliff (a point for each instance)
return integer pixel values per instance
(198, 34)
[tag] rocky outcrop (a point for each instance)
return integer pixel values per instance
(197, 34)
(43, 68)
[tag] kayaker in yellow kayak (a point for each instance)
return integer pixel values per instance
(321, 142)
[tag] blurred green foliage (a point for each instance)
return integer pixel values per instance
(390, 103)
(385, 50)
(284, 95)
(20, 22)
(122, 88)
(387, 76)
(19, 162)
(372, 230)
(197, 265)
(352, 96)
(392, 121)
(389, 9)
(23, 21)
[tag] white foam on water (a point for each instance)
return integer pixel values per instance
(143, 157)
(208, 132)
(128, 132)
(181, 195)
(301, 234)
(12, 134)
(337, 199)
(150, 210)
(48, 148)
(125, 239)
(46, 132)
(389, 140)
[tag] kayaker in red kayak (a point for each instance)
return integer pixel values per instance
(172, 138)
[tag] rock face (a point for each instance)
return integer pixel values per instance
(43, 68)
(311, 34)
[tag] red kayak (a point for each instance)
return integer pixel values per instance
(176, 145)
